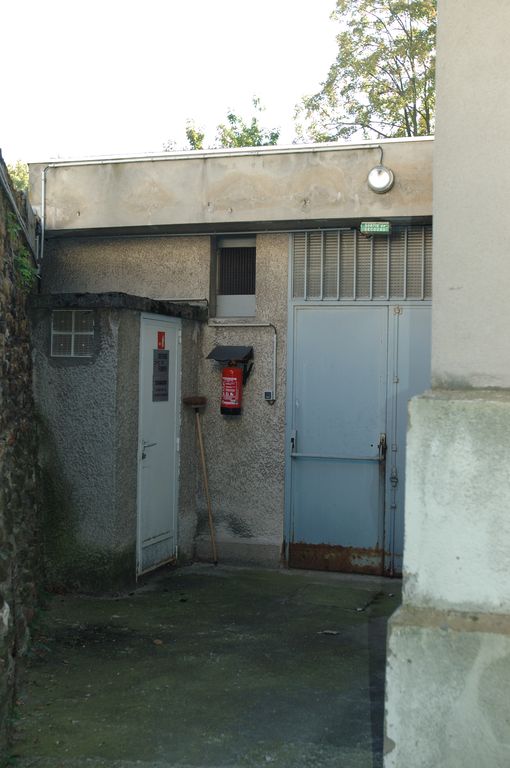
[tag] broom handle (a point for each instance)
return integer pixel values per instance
(206, 486)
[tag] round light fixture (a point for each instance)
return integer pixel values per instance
(380, 179)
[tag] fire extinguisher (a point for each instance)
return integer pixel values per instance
(231, 391)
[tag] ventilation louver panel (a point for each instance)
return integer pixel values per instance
(347, 264)
(330, 270)
(314, 265)
(344, 265)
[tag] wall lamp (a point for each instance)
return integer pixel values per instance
(380, 179)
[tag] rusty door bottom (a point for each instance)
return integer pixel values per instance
(327, 557)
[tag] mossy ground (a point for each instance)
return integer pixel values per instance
(208, 666)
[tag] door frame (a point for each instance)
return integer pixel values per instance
(177, 324)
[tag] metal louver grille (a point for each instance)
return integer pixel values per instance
(236, 271)
(343, 265)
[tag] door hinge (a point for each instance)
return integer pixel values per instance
(394, 477)
(178, 444)
(179, 337)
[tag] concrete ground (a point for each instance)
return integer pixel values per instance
(208, 667)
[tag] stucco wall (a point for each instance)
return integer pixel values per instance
(126, 430)
(246, 453)
(157, 267)
(82, 427)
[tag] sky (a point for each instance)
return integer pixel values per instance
(109, 77)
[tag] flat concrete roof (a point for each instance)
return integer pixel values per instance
(116, 300)
(255, 188)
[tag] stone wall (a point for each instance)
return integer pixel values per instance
(19, 556)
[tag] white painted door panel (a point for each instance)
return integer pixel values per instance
(158, 440)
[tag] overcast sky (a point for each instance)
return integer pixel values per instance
(122, 76)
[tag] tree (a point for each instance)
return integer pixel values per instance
(237, 133)
(382, 83)
(19, 175)
(234, 133)
(194, 135)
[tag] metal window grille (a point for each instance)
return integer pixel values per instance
(343, 265)
(236, 271)
(72, 333)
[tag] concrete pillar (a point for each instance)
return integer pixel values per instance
(448, 669)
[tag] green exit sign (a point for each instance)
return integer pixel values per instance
(375, 227)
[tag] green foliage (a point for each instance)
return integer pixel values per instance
(237, 133)
(382, 82)
(26, 272)
(194, 135)
(19, 175)
(13, 227)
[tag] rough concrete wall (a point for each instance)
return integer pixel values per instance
(264, 184)
(160, 267)
(246, 453)
(458, 488)
(447, 690)
(19, 520)
(471, 192)
(449, 648)
(80, 430)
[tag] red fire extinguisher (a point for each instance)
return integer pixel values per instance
(231, 391)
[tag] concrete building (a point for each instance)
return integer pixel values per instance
(135, 241)
(152, 263)
(448, 669)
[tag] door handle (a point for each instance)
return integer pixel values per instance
(144, 446)
(382, 446)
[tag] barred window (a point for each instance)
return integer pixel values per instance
(72, 333)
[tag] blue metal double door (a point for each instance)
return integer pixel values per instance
(354, 369)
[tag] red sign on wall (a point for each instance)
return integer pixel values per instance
(161, 340)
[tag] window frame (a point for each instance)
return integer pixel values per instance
(73, 334)
(234, 304)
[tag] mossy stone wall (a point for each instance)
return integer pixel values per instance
(19, 518)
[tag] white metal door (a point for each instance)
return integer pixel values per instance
(158, 449)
